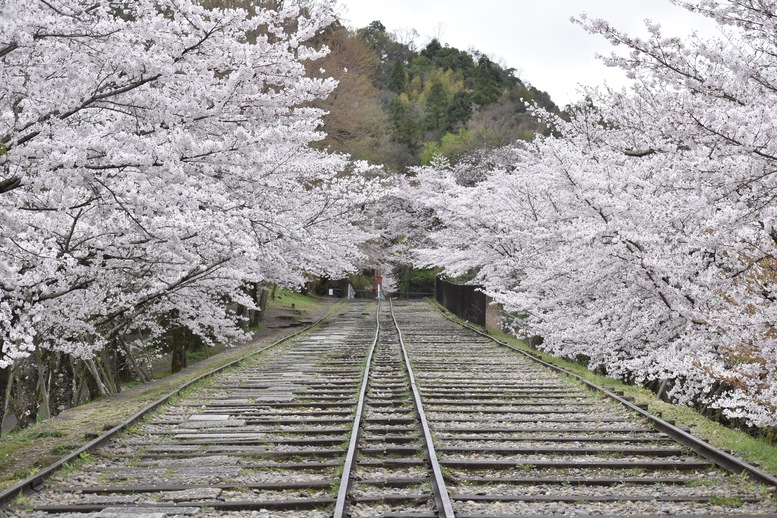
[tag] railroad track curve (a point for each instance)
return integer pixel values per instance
(395, 411)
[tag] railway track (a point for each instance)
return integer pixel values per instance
(515, 438)
(394, 412)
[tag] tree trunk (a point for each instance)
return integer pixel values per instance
(243, 317)
(130, 358)
(108, 364)
(253, 292)
(43, 384)
(179, 350)
(62, 387)
(263, 296)
(24, 393)
(5, 378)
(125, 368)
(92, 380)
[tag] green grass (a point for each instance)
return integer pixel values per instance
(289, 298)
(34, 434)
(63, 449)
(202, 353)
(125, 385)
(699, 483)
(727, 501)
(84, 458)
(21, 501)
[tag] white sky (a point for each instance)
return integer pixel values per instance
(535, 37)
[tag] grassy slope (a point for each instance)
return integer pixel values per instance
(288, 299)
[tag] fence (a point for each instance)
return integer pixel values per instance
(462, 300)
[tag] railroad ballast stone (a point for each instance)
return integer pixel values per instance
(513, 438)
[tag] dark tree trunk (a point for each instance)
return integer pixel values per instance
(263, 296)
(133, 364)
(108, 362)
(24, 392)
(243, 317)
(125, 368)
(90, 378)
(5, 376)
(62, 388)
(179, 349)
(253, 292)
(44, 383)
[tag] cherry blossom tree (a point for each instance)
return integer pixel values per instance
(154, 159)
(642, 238)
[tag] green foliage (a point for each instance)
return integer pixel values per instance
(387, 49)
(79, 462)
(362, 281)
(195, 355)
(727, 501)
(415, 281)
(459, 109)
(432, 49)
(406, 128)
(452, 146)
(440, 100)
(63, 449)
(486, 83)
(397, 80)
(21, 501)
(450, 58)
(436, 108)
(420, 66)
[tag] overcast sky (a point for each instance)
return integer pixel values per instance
(535, 37)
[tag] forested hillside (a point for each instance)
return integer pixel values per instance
(399, 106)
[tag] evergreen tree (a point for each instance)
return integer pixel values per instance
(396, 82)
(436, 108)
(459, 110)
(432, 49)
(406, 130)
(486, 83)
(397, 113)
(409, 134)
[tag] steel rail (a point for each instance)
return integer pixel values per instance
(706, 450)
(36, 481)
(341, 504)
(441, 496)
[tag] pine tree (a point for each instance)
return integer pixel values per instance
(436, 108)
(486, 83)
(396, 82)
